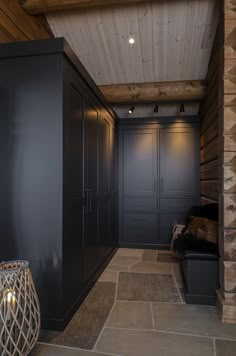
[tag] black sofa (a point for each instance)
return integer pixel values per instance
(199, 255)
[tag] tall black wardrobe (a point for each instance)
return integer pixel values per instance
(159, 178)
(58, 150)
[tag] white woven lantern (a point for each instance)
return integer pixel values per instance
(19, 309)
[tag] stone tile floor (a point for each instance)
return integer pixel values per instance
(137, 309)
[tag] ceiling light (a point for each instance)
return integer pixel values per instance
(131, 40)
(182, 107)
(156, 108)
(131, 110)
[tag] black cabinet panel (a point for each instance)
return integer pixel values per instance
(140, 235)
(91, 132)
(167, 221)
(141, 220)
(140, 162)
(177, 162)
(159, 180)
(73, 191)
(114, 187)
(177, 204)
(140, 204)
(50, 157)
(105, 188)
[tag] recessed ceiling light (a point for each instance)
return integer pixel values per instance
(131, 40)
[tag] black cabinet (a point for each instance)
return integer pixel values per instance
(58, 191)
(159, 180)
(91, 125)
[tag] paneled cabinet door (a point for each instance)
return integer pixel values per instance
(104, 193)
(91, 131)
(114, 189)
(73, 190)
(177, 162)
(140, 162)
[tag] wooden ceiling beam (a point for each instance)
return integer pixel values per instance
(17, 25)
(194, 90)
(43, 6)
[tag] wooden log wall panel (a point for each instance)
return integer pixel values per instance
(209, 171)
(210, 115)
(209, 129)
(209, 152)
(205, 200)
(17, 25)
(210, 189)
(210, 133)
(227, 169)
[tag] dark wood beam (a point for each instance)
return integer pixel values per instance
(154, 92)
(44, 6)
(17, 25)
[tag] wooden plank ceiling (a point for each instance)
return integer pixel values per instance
(173, 40)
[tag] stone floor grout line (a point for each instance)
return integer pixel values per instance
(214, 346)
(100, 335)
(146, 301)
(176, 284)
(172, 333)
(153, 321)
(75, 348)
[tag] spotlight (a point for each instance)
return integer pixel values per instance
(131, 40)
(182, 107)
(156, 108)
(131, 110)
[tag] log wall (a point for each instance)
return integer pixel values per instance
(209, 131)
(227, 162)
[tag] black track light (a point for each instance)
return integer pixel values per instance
(156, 108)
(131, 110)
(182, 107)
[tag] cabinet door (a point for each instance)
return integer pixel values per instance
(140, 162)
(114, 189)
(104, 193)
(91, 124)
(140, 158)
(73, 191)
(177, 162)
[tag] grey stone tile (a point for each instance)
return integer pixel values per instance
(51, 350)
(166, 257)
(108, 276)
(152, 267)
(124, 260)
(129, 252)
(151, 343)
(87, 323)
(191, 319)
(48, 336)
(149, 255)
(131, 315)
(117, 268)
(225, 348)
(147, 287)
(177, 274)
